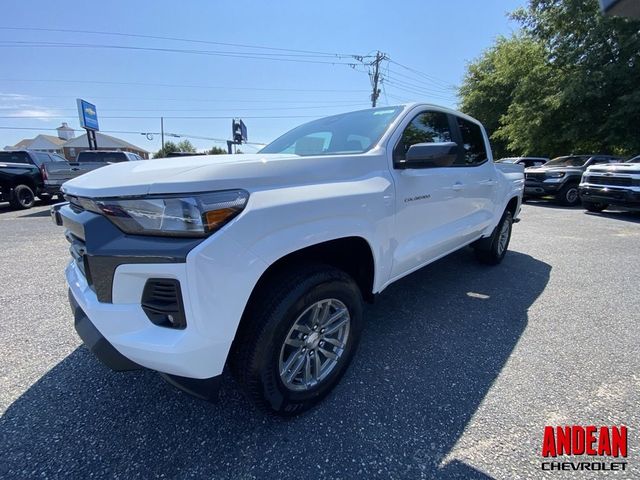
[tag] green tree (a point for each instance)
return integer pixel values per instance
(217, 151)
(186, 146)
(169, 147)
(568, 82)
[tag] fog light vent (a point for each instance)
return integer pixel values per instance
(162, 302)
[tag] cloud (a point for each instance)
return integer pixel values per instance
(36, 113)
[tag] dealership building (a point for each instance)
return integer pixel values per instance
(68, 145)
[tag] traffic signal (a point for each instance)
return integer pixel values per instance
(238, 131)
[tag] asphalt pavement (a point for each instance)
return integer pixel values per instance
(459, 369)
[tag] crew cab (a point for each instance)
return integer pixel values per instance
(24, 176)
(617, 184)
(261, 262)
(86, 161)
(561, 176)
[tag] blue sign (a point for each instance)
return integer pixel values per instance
(88, 115)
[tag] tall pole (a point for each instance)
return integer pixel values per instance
(376, 77)
(162, 132)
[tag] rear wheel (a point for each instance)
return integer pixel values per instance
(568, 195)
(491, 250)
(595, 206)
(23, 197)
(297, 338)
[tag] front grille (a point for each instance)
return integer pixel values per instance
(162, 302)
(535, 176)
(616, 181)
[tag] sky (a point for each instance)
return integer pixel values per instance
(274, 64)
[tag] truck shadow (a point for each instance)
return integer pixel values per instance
(433, 346)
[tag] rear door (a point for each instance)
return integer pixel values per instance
(477, 177)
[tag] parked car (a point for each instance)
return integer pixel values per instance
(561, 176)
(262, 261)
(23, 177)
(526, 162)
(87, 161)
(617, 184)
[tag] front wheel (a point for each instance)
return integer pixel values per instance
(491, 250)
(23, 197)
(569, 195)
(594, 206)
(297, 338)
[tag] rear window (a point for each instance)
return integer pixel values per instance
(106, 157)
(14, 157)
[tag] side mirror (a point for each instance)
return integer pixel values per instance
(429, 155)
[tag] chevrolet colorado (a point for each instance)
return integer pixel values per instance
(261, 262)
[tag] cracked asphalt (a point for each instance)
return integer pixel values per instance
(459, 369)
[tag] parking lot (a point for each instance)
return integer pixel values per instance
(460, 368)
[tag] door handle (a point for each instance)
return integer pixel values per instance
(491, 182)
(457, 186)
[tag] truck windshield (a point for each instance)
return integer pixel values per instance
(14, 157)
(106, 157)
(573, 161)
(353, 132)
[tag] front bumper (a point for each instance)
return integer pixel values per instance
(534, 188)
(207, 389)
(614, 196)
(107, 278)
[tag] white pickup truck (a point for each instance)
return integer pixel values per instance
(261, 262)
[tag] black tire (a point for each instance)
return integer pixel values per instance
(569, 195)
(269, 321)
(490, 250)
(45, 198)
(22, 197)
(595, 206)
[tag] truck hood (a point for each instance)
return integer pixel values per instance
(209, 173)
(575, 170)
(616, 168)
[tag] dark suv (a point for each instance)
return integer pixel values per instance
(561, 176)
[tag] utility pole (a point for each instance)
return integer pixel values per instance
(162, 132)
(375, 77)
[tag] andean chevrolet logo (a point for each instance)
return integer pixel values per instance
(606, 442)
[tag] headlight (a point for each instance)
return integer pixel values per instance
(555, 174)
(194, 215)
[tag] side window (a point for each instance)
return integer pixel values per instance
(57, 158)
(474, 151)
(427, 127)
(41, 158)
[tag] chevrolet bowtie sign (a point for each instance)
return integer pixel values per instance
(88, 115)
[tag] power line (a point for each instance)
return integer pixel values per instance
(252, 56)
(57, 117)
(160, 110)
(419, 81)
(419, 90)
(129, 132)
(179, 39)
(197, 100)
(168, 85)
(431, 78)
